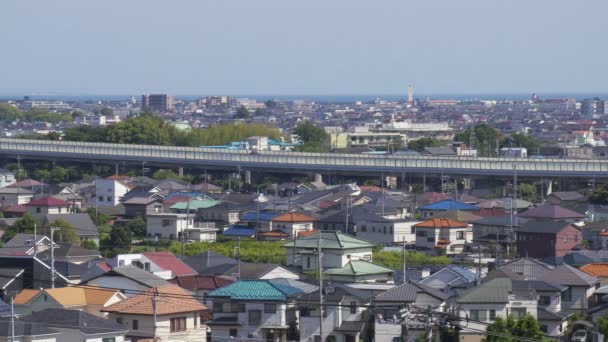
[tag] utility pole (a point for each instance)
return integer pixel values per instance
(154, 315)
(12, 321)
(238, 259)
(35, 239)
(404, 263)
(404, 330)
(187, 234)
(320, 262)
(428, 326)
(53, 230)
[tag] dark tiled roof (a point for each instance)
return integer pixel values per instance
(553, 212)
(82, 223)
(25, 329)
(88, 324)
(544, 227)
(137, 275)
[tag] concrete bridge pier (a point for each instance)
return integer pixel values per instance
(180, 171)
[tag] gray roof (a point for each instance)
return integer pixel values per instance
(543, 227)
(7, 275)
(136, 274)
(407, 293)
(570, 276)
(207, 260)
(568, 195)
(544, 315)
(19, 191)
(494, 291)
(82, 223)
(23, 240)
(537, 285)
(25, 329)
(87, 323)
(500, 221)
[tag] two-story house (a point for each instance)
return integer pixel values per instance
(14, 196)
(344, 257)
(293, 223)
(345, 314)
(174, 226)
(437, 233)
(162, 264)
(429, 210)
(169, 313)
(109, 191)
(256, 309)
(543, 239)
(40, 207)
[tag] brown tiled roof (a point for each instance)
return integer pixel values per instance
(170, 299)
(275, 234)
(596, 269)
(307, 233)
(441, 223)
(24, 296)
(293, 217)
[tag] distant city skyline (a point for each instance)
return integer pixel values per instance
(278, 48)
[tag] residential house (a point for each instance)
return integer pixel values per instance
(82, 327)
(345, 315)
(193, 205)
(27, 332)
(162, 264)
(445, 234)
(41, 207)
(173, 226)
(7, 178)
(11, 282)
(224, 213)
(451, 277)
(82, 224)
(501, 297)
(201, 285)
(14, 196)
(292, 223)
(168, 313)
(564, 198)
(554, 212)
(489, 230)
(36, 272)
(26, 244)
(90, 299)
(429, 210)
(130, 279)
(142, 206)
(345, 257)
(542, 239)
(261, 309)
(389, 319)
(109, 191)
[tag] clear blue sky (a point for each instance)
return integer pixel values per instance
(192, 47)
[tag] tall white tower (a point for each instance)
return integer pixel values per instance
(410, 94)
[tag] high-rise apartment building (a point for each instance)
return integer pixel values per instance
(157, 102)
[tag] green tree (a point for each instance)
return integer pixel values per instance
(242, 113)
(420, 143)
(66, 232)
(98, 218)
(42, 175)
(602, 324)
(599, 195)
(58, 175)
(523, 140)
(120, 239)
(53, 136)
(24, 225)
(314, 138)
(137, 226)
(106, 111)
(527, 191)
(503, 330)
(9, 113)
(483, 138)
(89, 244)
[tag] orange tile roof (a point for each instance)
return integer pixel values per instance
(170, 299)
(275, 234)
(24, 296)
(70, 296)
(604, 233)
(596, 269)
(293, 217)
(441, 223)
(307, 233)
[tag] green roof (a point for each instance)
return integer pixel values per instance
(195, 204)
(330, 240)
(255, 290)
(358, 268)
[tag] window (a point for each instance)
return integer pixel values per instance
(119, 320)
(135, 325)
(194, 320)
(384, 230)
(38, 210)
(108, 339)
(474, 315)
(233, 332)
(100, 198)
(492, 315)
(121, 262)
(255, 317)
(307, 262)
(565, 238)
(544, 300)
(518, 312)
(421, 233)
(270, 308)
(460, 235)
(544, 329)
(430, 239)
(567, 294)
(109, 198)
(353, 307)
(305, 312)
(178, 324)
(166, 223)
(218, 307)
(363, 228)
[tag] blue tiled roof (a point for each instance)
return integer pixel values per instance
(264, 216)
(463, 272)
(255, 290)
(449, 204)
(240, 231)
